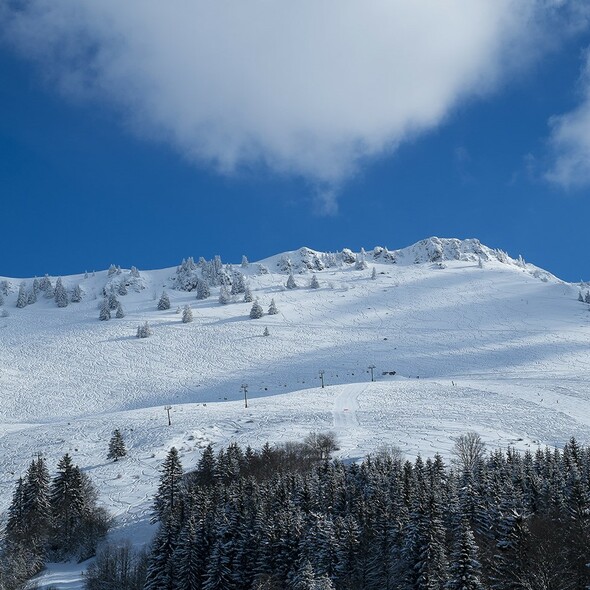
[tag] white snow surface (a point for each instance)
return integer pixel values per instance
(501, 350)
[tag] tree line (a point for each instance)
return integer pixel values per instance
(290, 517)
(49, 519)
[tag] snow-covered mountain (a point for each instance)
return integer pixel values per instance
(477, 340)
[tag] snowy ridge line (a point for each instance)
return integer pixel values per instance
(429, 250)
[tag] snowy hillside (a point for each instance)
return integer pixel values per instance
(477, 340)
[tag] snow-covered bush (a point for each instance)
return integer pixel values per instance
(291, 284)
(144, 330)
(187, 315)
(202, 289)
(76, 294)
(105, 312)
(256, 312)
(272, 309)
(112, 300)
(164, 302)
(60, 295)
(224, 295)
(22, 299)
(117, 448)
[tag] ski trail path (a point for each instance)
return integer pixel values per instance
(345, 417)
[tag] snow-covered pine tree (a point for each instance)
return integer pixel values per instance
(465, 569)
(120, 313)
(272, 308)
(587, 297)
(321, 546)
(36, 506)
(160, 569)
(425, 559)
(45, 283)
(348, 548)
(580, 297)
(203, 290)
(238, 284)
(256, 312)
(374, 274)
(117, 448)
(207, 467)
(85, 274)
(164, 302)
(224, 295)
(60, 295)
(122, 288)
(206, 271)
(187, 314)
(31, 297)
(266, 332)
(22, 299)
(144, 330)
(324, 583)
(291, 284)
(360, 263)
(246, 549)
(314, 283)
(68, 503)
(105, 312)
(218, 575)
(15, 522)
(303, 578)
(25, 536)
(112, 270)
(49, 290)
(76, 294)
(217, 268)
(112, 300)
(509, 560)
(168, 499)
(134, 272)
(245, 262)
(248, 295)
(212, 271)
(191, 556)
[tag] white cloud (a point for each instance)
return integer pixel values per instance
(570, 140)
(305, 87)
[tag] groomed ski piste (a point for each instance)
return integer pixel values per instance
(478, 342)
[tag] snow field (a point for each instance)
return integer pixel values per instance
(494, 350)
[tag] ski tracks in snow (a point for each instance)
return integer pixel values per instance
(345, 414)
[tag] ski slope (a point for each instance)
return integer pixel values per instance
(502, 350)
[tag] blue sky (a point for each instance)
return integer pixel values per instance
(85, 181)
